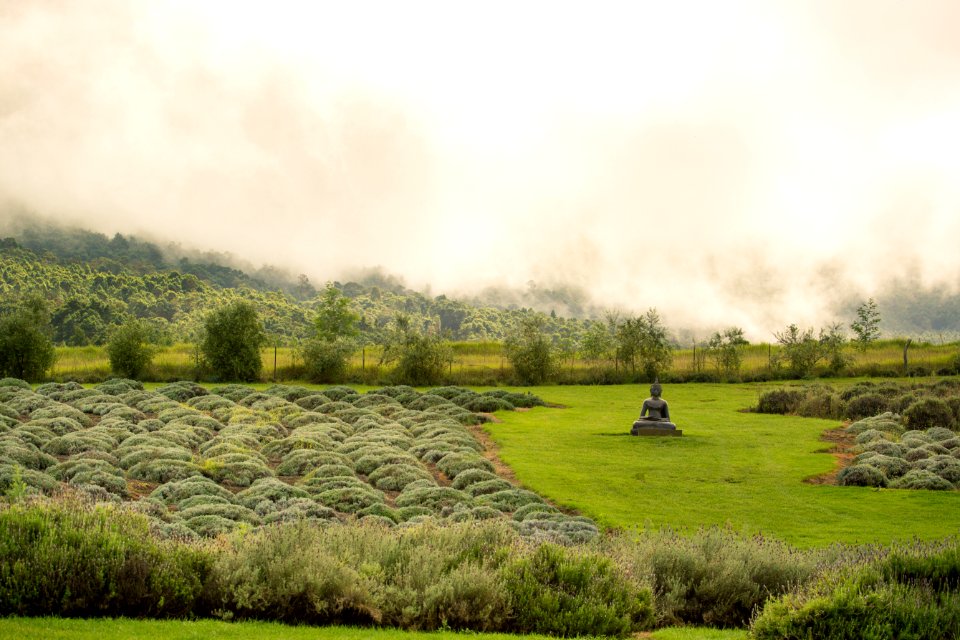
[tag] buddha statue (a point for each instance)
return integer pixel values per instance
(655, 413)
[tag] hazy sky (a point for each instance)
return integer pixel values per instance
(730, 162)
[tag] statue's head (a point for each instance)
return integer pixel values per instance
(656, 390)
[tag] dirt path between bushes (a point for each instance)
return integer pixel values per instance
(841, 449)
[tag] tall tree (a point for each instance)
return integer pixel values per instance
(335, 329)
(26, 348)
(726, 349)
(530, 351)
(231, 342)
(129, 349)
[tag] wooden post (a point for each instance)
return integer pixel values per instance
(905, 362)
(274, 361)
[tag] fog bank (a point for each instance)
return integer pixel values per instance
(743, 163)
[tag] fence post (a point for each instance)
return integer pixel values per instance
(906, 346)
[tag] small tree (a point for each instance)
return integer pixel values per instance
(129, 349)
(803, 351)
(26, 348)
(866, 327)
(832, 341)
(643, 341)
(800, 349)
(656, 354)
(726, 350)
(335, 328)
(596, 343)
(231, 342)
(529, 350)
(335, 319)
(421, 357)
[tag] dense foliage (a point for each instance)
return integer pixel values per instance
(26, 350)
(129, 349)
(231, 342)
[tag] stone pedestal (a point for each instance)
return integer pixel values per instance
(655, 428)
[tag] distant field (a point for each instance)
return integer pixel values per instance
(742, 469)
(124, 629)
(484, 362)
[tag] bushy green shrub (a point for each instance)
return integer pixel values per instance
(946, 467)
(269, 490)
(431, 497)
(560, 591)
(929, 412)
(533, 509)
(16, 479)
(338, 392)
(921, 479)
(294, 509)
(211, 525)
(861, 475)
(870, 435)
(455, 463)
(349, 499)
(394, 477)
(80, 441)
(488, 486)
(61, 411)
(901, 595)
(889, 466)
(235, 512)
(865, 406)
(75, 559)
(209, 402)
(163, 470)
(238, 472)
(370, 462)
(509, 499)
(886, 448)
(25, 454)
(940, 434)
(488, 404)
(782, 401)
(175, 491)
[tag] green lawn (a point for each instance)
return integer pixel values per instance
(729, 467)
(124, 629)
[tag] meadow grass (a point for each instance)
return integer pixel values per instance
(475, 362)
(732, 468)
(127, 629)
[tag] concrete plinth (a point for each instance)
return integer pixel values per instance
(650, 428)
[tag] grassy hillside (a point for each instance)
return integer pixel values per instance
(742, 469)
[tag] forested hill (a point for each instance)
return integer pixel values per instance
(94, 283)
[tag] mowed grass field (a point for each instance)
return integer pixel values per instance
(730, 467)
(125, 629)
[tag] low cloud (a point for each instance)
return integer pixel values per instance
(748, 165)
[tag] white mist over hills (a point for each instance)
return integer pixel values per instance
(743, 163)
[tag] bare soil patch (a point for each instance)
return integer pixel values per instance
(841, 448)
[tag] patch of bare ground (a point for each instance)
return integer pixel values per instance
(841, 448)
(140, 488)
(492, 453)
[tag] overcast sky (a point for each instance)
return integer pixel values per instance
(730, 163)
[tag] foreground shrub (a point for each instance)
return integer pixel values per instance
(69, 558)
(908, 593)
(861, 475)
(929, 412)
(715, 577)
(567, 592)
